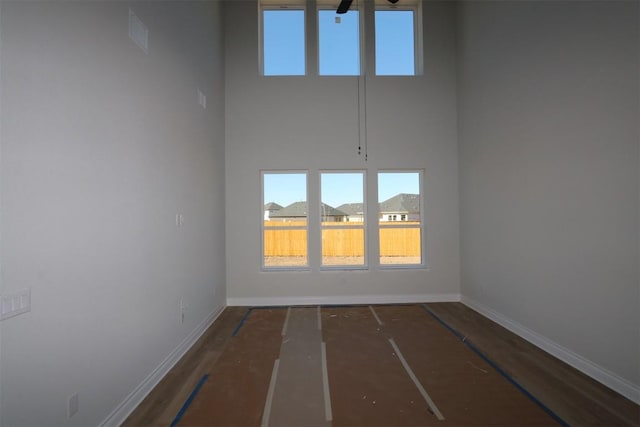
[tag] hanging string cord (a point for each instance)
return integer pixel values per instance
(358, 82)
(366, 127)
(363, 57)
(362, 97)
(359, 110)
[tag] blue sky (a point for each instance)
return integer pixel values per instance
(394, 43)
(285, 188)
(283, 37)
(338, 42)
(337, 188)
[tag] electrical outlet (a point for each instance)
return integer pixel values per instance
(73, 405)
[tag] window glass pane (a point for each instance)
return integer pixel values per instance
(399, 218)
(285, 197)
(285, 248)
(342, 197)
(395, 43)
(339, 43)
(400, 245)
(283, 42)
(342, 246)
(285, 218)
(399, 197)
(342, 216)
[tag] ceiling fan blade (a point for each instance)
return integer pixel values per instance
(344, 6)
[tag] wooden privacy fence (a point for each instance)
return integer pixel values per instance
(346, 242)
(400, 241)
(285, 242)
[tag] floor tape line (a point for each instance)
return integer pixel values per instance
(246, 315)
(416, 381)
(495, 366)
(266, 414)
(192, 396)
(325, 383)
(286, 322)
(250, 310)
(375, 315)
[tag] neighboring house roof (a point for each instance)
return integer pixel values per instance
(326, 210)
(402, 203)
(299, 209)
(352, 208)
(272, 206)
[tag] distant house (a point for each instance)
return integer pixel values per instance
(269, 209)
(354, 211)
(299, 211)
(331, 214)
(401, 207)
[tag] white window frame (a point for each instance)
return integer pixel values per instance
(364, 225)
(398, 224)
(280, 5)
(416, 7)
(264, 267)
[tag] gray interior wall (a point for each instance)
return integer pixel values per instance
(1, 259)
(311, 123)
(549, 171)
(101, 146)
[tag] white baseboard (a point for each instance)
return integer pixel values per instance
(346, 300)
(124, 409)
(613, 381)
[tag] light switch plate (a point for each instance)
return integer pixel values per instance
(202, 99)
(14, 304)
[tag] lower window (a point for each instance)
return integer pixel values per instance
(400, 218)
(285, 221)
(342, 219)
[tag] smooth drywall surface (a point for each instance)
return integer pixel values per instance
(549, 171)
(1, 270)
(311, 123)
(102, 145)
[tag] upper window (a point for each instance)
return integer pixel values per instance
(283, 42)
(395, 36)
(400, 218)
(285, 220)
(342, 219)
(339, 42)
(397, 32)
